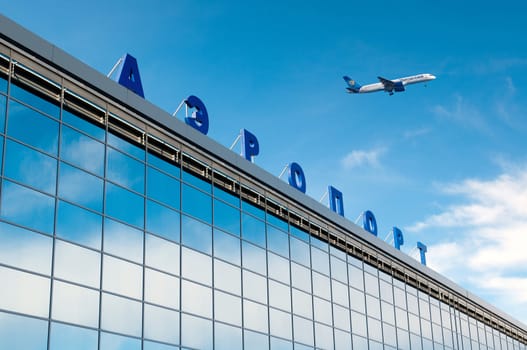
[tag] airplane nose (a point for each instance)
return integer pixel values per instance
(432, 76)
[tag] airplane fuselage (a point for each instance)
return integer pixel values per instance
(389, 85)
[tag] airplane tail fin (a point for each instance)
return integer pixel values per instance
(353, 86)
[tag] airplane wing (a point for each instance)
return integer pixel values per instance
(388, 84)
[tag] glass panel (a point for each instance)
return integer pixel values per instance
(227, 277)
(357, 300)
(117, 342)
(162, 254)
(228, 197)
(386, 291)
(125, 170)
(374, 329)
(197, 203)
(320, 261)
(356, 277)
(227, 337)
(122, 277)
(227, 247)
(372, 284)
(280, 324)
(300, 252)
(278, 222)
(401, 317)
(298, 233)
(123, 240)
(125, 146)
(321, 286)
(3, 84)
(80, 187)
(196, 234)
(35, 101)
(340, 293)
(373, 307)
(83, 125)
(124, 205)
(389, 334)
(82, 151)
(278, 268)
(302, 304)
(30, 167)
(75, 304)
(254, 210)
(279, 296)
(22, 333)
(25, 293)
(65, 337)
(301, 277)
(196, 332)
(322, 310)
(27, 207)
(32, 128)
(227, 308)
(254, 287)
(161, 324)
(388, 313)
(161, 289)
(25, 249)
(323, 336)
(77, 264)
(162, 221)
(255, 316)
(316, 242)
(79, 225)
(254, 258)
(163, 188)
(338, 269)
(257, 341)
(253, 230)
(277, 241)
(341, 317)
(196, 266)
(358, 324)
(196, 182)
(342, 340)
(303, 330)
(164, 164)
(226, 217)
(121, 315)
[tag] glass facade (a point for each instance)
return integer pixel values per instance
(107, 243)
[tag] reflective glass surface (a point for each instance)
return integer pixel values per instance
(30, 167)
(82, 151)
(35, 101)
(78, 225)
(22, 333)
(124, 205)
(25, 249)
(163, 188)
(81, 124)
(80, 187)
(27, 207)
(32, 128)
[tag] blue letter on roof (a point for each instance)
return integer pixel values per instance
(369, 223)
(336, 202)
(422, 251)
(398, 239)
(199, 119)
(250, 147)
(296, 177)
(128, 75)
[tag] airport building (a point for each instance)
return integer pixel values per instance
(122, 227)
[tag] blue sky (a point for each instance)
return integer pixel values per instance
(445, 163)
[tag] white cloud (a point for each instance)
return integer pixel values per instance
(358, 158)
(489, 221)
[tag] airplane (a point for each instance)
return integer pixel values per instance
(390, 86)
